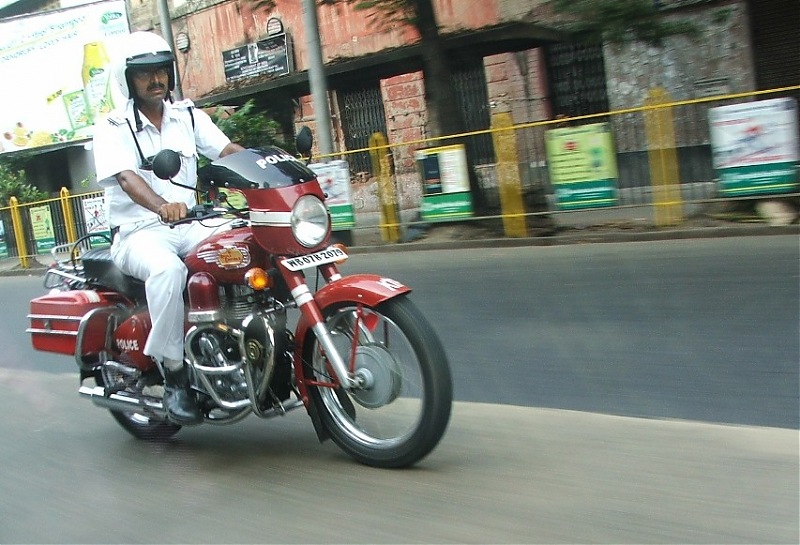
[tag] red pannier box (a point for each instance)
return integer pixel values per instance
(54, 320)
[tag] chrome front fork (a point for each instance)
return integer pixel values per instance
(305, 302)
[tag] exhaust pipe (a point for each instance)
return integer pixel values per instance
(152, 406)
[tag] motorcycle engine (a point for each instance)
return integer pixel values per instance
(238, 349)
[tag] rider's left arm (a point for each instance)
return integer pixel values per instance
(232, 147)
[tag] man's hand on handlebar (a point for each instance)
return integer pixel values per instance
(171, 212)
(196, 213)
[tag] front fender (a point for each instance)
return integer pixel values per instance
(367, 289)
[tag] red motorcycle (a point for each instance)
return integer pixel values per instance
(362, 359)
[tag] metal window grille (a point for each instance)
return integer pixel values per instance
(577, 78)
(362, 115)
(469, 85)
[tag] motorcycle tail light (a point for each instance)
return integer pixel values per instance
(203, 299)
(257, 278)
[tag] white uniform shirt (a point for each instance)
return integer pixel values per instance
(115, 150)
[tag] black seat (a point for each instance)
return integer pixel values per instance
(100, 269)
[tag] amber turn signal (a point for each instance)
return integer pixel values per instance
(257, 278)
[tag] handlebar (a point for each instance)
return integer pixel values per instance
(202, 212)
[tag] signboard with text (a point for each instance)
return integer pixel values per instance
(755, 147)
(334, 179)
(3, 246)
(268, 56)
(445, 183)
(94, 217)
(583, 166)
(42, 225)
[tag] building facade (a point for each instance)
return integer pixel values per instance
(505, 55)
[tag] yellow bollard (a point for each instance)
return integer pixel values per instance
(663, 160)
(19, 233)
(505, 147)
(390, 222)
(66, 210)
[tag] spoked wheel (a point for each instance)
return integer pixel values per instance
(401, 410)
(140, 425)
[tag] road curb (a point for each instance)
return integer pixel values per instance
(586, 237)
(10, 266)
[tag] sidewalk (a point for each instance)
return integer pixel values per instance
(489, 234)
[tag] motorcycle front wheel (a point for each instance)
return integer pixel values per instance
(401, 412)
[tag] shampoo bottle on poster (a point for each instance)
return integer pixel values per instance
(96, 81)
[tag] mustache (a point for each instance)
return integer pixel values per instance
(156, 86)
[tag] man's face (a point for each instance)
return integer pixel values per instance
(150, 84)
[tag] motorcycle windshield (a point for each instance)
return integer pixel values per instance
(266, 168)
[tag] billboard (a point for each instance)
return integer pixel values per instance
(56, 65)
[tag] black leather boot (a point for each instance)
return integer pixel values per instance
(179, 400)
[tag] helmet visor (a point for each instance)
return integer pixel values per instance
(149, 59)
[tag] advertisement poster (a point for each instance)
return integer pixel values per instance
(445, 183)
(583, 166)
(42, 224)
(755, 147)
(334, 179)
(94, 217)
(3, 247)
(269, 56)
(56, 69)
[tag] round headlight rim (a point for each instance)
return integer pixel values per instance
(312, 207)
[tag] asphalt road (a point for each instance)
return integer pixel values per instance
(557, 353)
(702, 329)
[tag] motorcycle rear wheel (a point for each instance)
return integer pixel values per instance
(403, 412)
(140, 425)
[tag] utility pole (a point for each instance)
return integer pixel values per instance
(166, 33)
(316, 78)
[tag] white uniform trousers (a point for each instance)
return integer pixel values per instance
(153, 252)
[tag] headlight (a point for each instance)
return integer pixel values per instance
(310, 221)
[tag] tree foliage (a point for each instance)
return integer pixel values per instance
(13, 184)
(249, 127)
(621, 21)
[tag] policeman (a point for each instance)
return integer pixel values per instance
(139, 204)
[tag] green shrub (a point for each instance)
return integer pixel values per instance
(13, 184)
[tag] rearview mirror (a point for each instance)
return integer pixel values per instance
(304, 140)
(166, 164)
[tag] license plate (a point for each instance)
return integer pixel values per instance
(328, 255)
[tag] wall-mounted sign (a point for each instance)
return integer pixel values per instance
(582, 165)
(755, 147)
(269, 56)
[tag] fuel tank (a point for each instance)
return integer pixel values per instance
(227, 256)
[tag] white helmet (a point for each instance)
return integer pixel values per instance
(141, 49)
